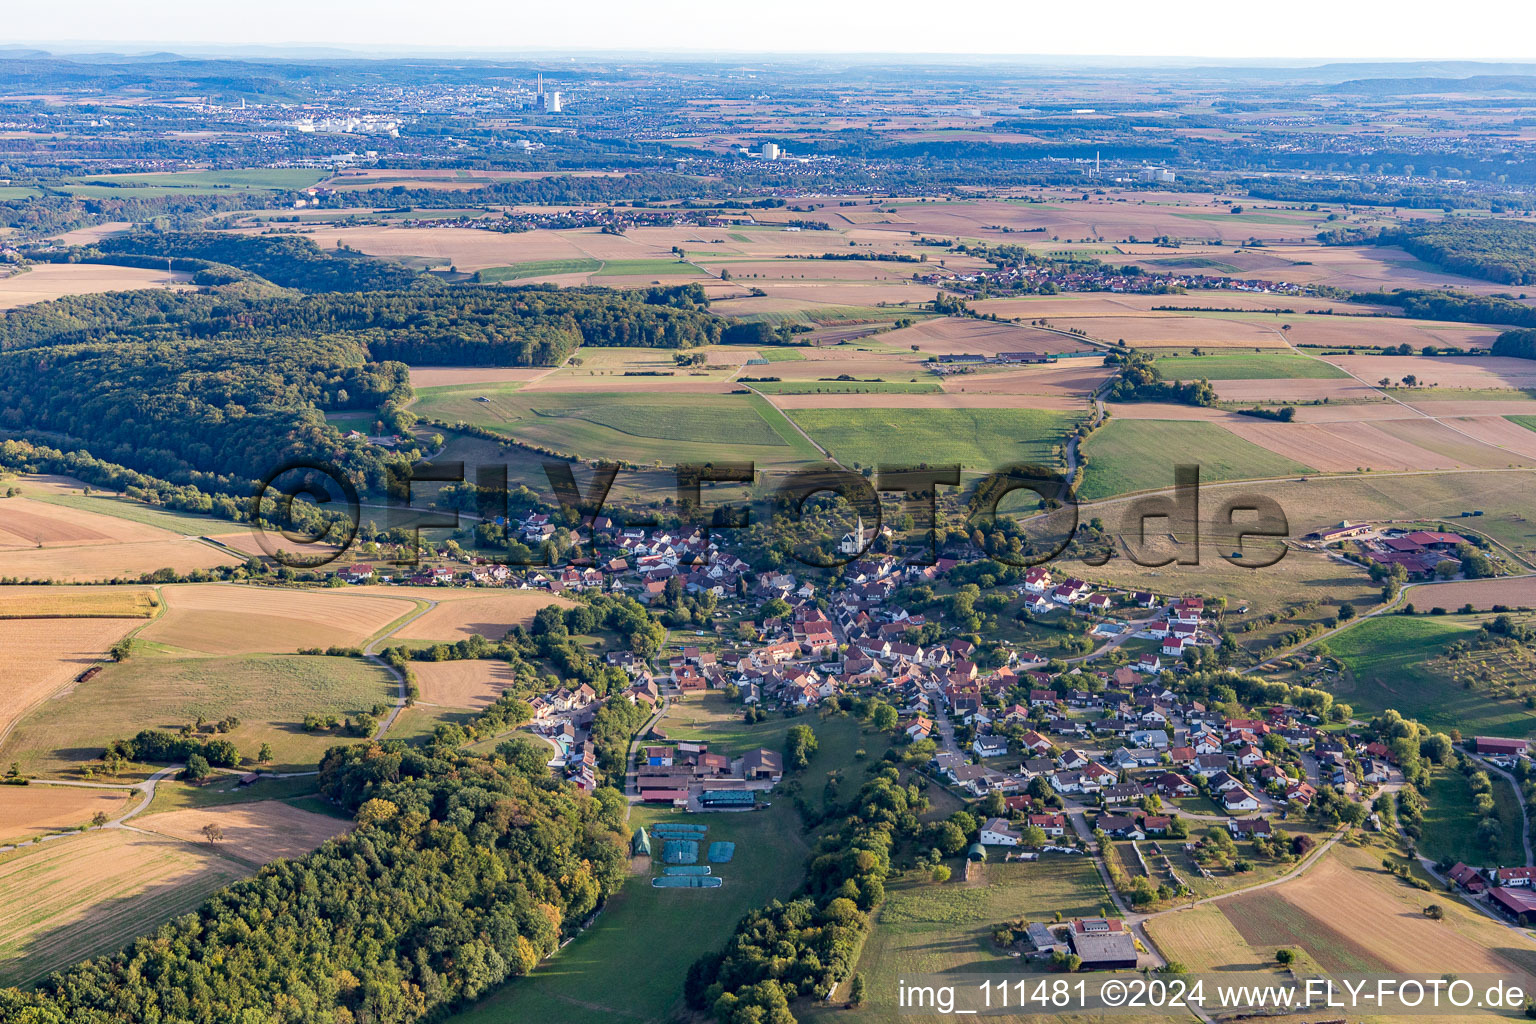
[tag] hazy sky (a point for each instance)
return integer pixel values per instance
(1295, 29)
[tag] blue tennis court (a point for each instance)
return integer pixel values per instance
(721, 853)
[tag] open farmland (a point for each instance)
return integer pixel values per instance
(468, 683)
(1132, 455)
(43, 656)
(1202, 938)
(30, 811)
(1352, 917)
(1407, 442)
(1245, 366)
(216, 618)
(451, 376)
(31, 602)
(638, 428)
(255, 832)
(978, 439)
(48, 281)
(957, 335)
(461, 613)
(48, 538)
(1482, 595)
(75, 898)
(269, 695)
(1174, 331)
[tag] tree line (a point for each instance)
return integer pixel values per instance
(463, 872)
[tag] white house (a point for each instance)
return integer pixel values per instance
(997, 832)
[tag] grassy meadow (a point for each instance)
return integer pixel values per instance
(269, 694)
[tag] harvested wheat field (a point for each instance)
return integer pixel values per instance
(219, 618)
(1499, 432)
(953, 335)
(40, 540)
(1166, 411)
(1344, 331)
(70, 899)
(472, 683)
(28, 602)
(28, 811)
(1470, 372)
(1353, 917)
(41, 657)
(437, 376)
(47, 281)
(1341, 447)
(465, 612)
(1171, 331)
(258, 832)
(1449, 441)
(1514, 592)
(1069, 377)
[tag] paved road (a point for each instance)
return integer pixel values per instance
(400, 683)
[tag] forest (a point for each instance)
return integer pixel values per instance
(464, 872)
(1489, 249)
(217, 389)
(1456, 307)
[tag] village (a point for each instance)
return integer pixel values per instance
(1059, 756)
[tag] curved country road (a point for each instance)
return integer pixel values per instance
(147, 788)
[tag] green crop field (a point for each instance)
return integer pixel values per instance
(1246, 366)
(1389, 662)
(978, 439)
(269, 694)
(848, 387)
(635, 427)
(656, 267)
(780, 355)
(537, 268)
(1133, 455)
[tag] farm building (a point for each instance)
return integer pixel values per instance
(762, 764)
(1343, 531)
(1517, 905)
(1043, 939)
(1467, 877)
(1103, 944)
(1499, 746)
